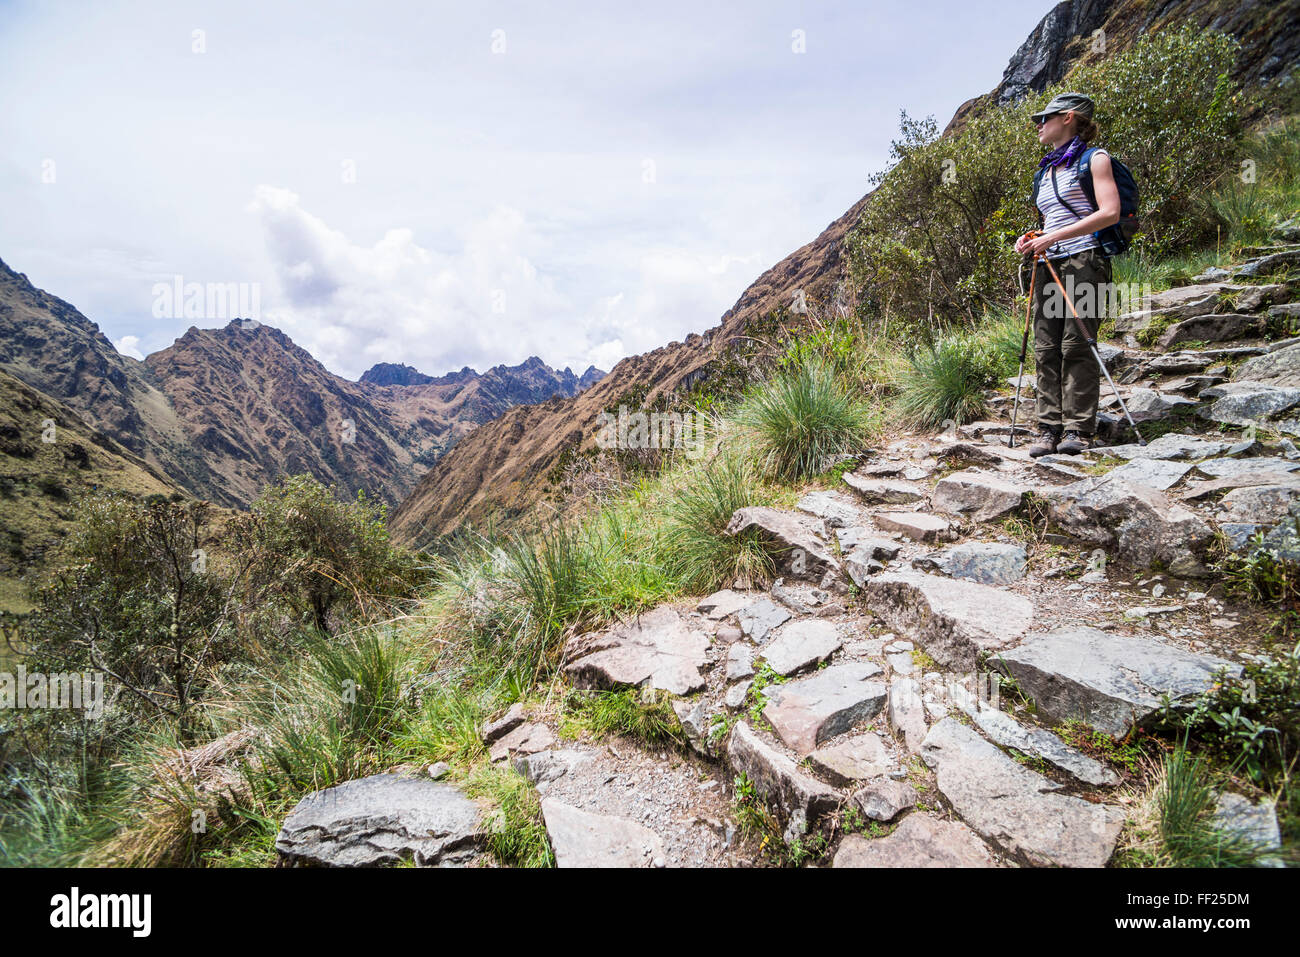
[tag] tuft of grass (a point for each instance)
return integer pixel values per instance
(802, 417)
(643, 714)
(1184, 801)
(697, 552)
(516, 831)
(947, 379)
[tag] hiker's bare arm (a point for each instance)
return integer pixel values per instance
(1107, 214)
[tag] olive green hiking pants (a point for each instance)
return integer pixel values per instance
(1067, 375)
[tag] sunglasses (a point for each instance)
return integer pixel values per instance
(1043, 119)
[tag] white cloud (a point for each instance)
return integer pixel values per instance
(395, 301)
(129, 346)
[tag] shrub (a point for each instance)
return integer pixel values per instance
(933, 246)
(137, 597)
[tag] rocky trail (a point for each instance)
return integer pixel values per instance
(949, 579)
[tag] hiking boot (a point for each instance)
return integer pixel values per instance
(1074, 442)
(1045, 441)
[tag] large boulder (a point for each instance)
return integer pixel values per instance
(1173, 305)
(1111, 682)
(382, 819)
(806, 712)
(1253, 403)
(1140, 523)
(1279, 368)
(1221, 327)
(660, 647)
(952, 620)
(1015, 808)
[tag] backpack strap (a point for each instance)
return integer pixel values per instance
(1061, 199)
(1033, 196)
(1083, 171)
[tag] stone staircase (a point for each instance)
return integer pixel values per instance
(871, 675)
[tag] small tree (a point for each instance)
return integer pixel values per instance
(318, 554)
(138, 598)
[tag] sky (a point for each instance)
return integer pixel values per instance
(454, 184)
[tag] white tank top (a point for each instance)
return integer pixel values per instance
(1056, 214)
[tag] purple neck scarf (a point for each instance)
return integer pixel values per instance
(1063, 154)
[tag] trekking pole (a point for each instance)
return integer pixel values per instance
(1092, 343)
(1024, 348)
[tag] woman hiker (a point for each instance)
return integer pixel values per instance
(1068, 379)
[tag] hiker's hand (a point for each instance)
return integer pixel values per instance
(1022, 244)
(1035, 245)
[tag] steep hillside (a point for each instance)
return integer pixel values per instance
(48, 344)
(47, 455)
(501, 470)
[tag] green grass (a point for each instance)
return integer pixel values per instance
(516, 832)
(696, 551)
(1185, 801)
(946, 380)
(802, 417)
(645, 715)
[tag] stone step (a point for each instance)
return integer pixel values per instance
(921, 840)
(583, 839)
(1109, 681)
(797, 540)
(382, 819)
(1015, 808)
(875, 491)
(1010, 733)
(802, 644)
(988, 563)
(853, 760)
(952, 620)
(919, 526)
(660, 646)
(978, 495)
(806, 712)
(799, 798)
